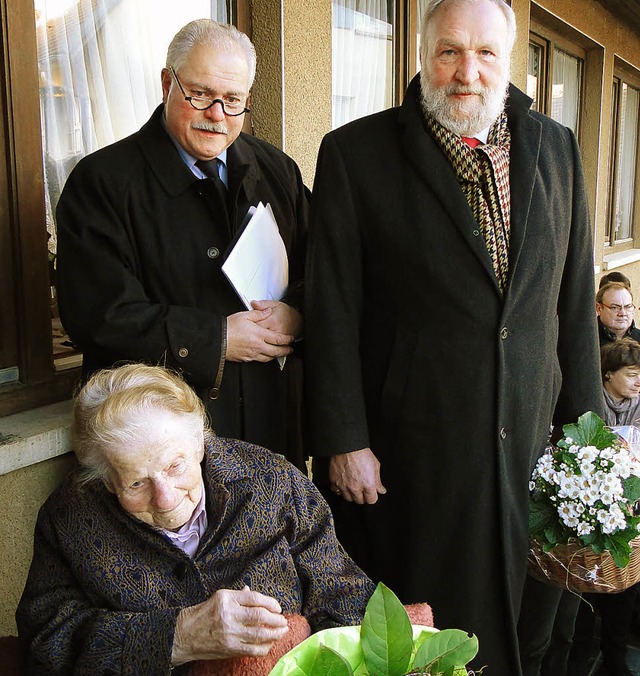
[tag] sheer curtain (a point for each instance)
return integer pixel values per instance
(99, 64)
(565, 91)
(627, 153)
(362, 58)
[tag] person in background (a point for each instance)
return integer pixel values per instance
(615, 310)
(620, 367)
(145, 225)
(614, 277)
(449, 322)
(170, 545)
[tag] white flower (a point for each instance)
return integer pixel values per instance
(611, 519)
(622, 464)
(570, 488)
(606, 454)
(588, 454)
(590, 495)
(584, 528)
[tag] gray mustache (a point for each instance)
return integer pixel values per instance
(205, 125)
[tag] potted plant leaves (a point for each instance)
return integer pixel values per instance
(386, 644)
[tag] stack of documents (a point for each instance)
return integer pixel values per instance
(258, 267)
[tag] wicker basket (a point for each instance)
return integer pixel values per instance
(579, 569)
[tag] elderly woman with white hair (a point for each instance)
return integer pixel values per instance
(169, 545)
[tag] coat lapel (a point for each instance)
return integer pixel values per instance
(430, 163)
(526, 134)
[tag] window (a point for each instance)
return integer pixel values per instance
(536, 71)
(363, 58)
(375, 53)
(623, 172)
(53, 77)
(554, 78)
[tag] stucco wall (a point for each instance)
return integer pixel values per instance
(293, 44)
(21, 494)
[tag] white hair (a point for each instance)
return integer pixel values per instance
(210, 33)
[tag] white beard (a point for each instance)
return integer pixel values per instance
(462, 117)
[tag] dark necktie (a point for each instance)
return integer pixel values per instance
(210, 169)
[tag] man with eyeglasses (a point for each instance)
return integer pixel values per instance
(146, 224)
(615, 310)
(449, 323)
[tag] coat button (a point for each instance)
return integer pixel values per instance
(503, 433)
(476, 233)
(183, 352)
(214, 393)
(504, 332)
(213, 252)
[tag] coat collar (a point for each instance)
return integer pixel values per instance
(172, 173)
(431, 164)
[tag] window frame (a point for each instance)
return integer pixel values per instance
(627, 75)
(551, 40)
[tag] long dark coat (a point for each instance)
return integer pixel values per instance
(413, 351)
(141, 243)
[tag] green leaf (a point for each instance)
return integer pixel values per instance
(590, 430)
(446, 651)
(386, 634)
(632, 488)
(619, 547)
(328, 662)
(541, 516)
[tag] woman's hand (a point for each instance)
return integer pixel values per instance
(229, 623)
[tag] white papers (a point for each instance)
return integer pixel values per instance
(258, 267)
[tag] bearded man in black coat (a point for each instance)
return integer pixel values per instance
(449, 323)
(144, 229)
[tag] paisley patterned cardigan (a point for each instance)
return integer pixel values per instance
(104, 589)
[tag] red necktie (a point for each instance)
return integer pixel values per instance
(473, 142)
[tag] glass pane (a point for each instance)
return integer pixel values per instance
(99, 64)
(362, 56)
(534, 79)
(565, 90)
(627, 158)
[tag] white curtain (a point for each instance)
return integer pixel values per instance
(565, 90)
(362, 58)
(627, 154)
(100, 63)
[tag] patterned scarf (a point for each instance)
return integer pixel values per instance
(483, 175)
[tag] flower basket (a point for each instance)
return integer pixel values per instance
(580, 569)
(584, 532)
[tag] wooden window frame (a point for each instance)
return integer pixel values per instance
(550, 39)
(622, 74)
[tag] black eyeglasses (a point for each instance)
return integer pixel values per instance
(229, 108)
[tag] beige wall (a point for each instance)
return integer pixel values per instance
(21, 494)
(293, 44)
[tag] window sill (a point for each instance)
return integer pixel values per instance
(621, 258)
(34, 436)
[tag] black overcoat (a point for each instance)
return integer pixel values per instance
(412, 350)
(141, 243)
